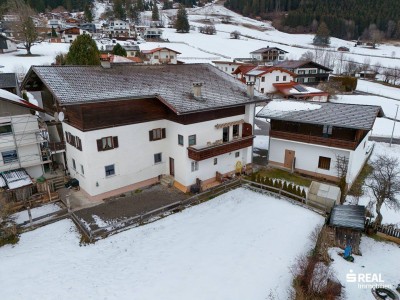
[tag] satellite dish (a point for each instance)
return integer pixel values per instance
(61, 116)
(56, 116)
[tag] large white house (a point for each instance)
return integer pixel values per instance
(125, 126)
(263, 77)
(316, 139)
(20, 136)
(161, 55)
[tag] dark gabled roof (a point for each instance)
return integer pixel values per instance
(265, 49)
(294, 64)
(8, 80)
(348, 216)
(172, 84)
(334, 114)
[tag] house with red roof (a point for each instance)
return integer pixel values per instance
(294, 90)
(160, 55)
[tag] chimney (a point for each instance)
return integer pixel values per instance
(105, 61)
(250, 89)
(197, 89)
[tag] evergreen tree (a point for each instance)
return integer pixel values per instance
(119, 50)
(53, 32)
(182, 22)
(119, 11)
(322, 35)
(83, 51)
(155, 15)
(88, 14)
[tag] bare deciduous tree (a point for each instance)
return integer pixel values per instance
(384, 183)
(24, 29)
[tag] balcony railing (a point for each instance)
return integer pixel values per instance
(56, 146)
(215, 150)
(331, 142)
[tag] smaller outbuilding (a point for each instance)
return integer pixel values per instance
(323, 195)
(346, 223)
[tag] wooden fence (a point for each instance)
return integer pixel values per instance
(280, 193)
(155, 214)
(386, 229)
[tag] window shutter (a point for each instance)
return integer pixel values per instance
(67, 136)
(99, 145)
(151, 135)
(163, 133)
(79, 143)
(115, 141)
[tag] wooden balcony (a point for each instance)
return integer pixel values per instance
(215, 150)
(331, 142)
(57, 146)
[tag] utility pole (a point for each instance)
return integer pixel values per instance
(394, 125)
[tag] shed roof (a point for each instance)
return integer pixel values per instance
(335, 114)
(15, 179)
(172, 84)
(8, 80)
(348, 216)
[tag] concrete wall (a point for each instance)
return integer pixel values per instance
(358, 159)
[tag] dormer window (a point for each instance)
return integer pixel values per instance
(327, 130)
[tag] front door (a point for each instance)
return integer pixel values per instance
(289, 157)
(171, 167)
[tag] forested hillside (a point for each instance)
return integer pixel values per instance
(42, 5)
(348, 19)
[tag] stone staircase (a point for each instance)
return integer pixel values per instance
(167, 180)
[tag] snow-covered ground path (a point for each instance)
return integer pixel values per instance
(237, 246)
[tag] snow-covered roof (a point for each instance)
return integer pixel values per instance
(16, 178)
(334, 114)
(10, 97)
(172, 84)
(348, 216)
(8, 80)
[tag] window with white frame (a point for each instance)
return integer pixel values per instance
(157, 158)
(73, 164)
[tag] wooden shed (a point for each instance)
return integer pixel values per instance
(347, 222)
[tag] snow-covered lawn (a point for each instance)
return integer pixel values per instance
(390, 216)
(37, 212)
(237, 246)
(377, 88)
(377, 258)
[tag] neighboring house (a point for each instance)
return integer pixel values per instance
(116, 58)
(313, 139)
(131, 50)
(9, 82)
(307, 71)
(264, 77)
(152, 33)
(54, 23)
(7, 45)
(269, 54)
(70, 34)
(227, 66)
(127, 125)
(294, 90)
(21, 141)
(119, 28)
(160, 56)
(367, 74)
(88, 27)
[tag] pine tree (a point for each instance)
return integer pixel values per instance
(83, 51)
(119, 11)
(53, 32)
(155, 15)
(182, 22)
(88, 14)
(119, 50)
(322, 36)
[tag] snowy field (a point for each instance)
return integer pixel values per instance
(378, 89)
(237, 246)
(377, 258)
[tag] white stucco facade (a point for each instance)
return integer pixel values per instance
(307, 157)
(134, 160)
(265, 83)
(162, 56)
